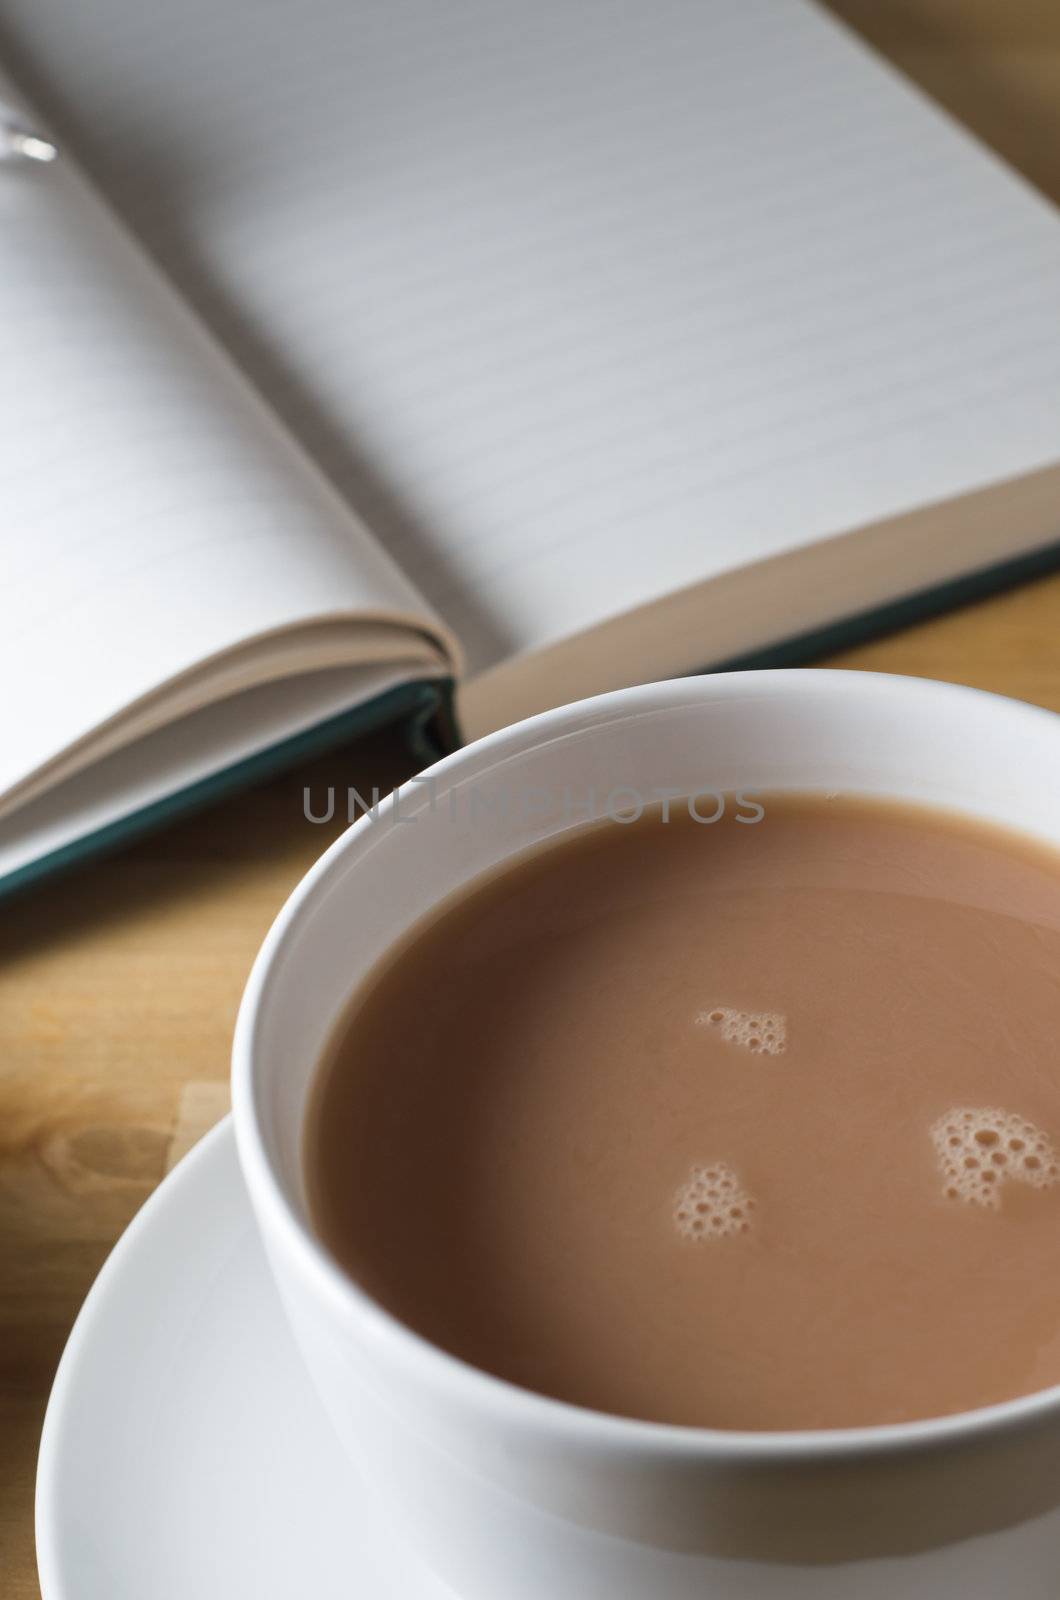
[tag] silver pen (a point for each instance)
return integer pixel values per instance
(18, 142)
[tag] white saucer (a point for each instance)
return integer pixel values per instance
(185, 1455)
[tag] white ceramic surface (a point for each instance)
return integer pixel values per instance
(515, 1497)
(185, 1455)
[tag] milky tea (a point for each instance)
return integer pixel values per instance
(739, 1126)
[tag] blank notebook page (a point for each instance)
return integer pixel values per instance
(152, 513)
(579, 302)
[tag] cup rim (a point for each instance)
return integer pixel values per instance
(377, 1328)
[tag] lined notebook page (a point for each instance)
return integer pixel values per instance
(579, 301)
(154, 513)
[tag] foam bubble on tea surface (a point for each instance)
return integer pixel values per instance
(712, 1204)
(762, 1032)
(981, 1148)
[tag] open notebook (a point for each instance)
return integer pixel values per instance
(542, 349)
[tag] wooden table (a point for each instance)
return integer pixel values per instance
(119, 984)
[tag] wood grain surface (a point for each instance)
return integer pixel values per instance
(119, 983)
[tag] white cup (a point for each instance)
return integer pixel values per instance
(512, 1496)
